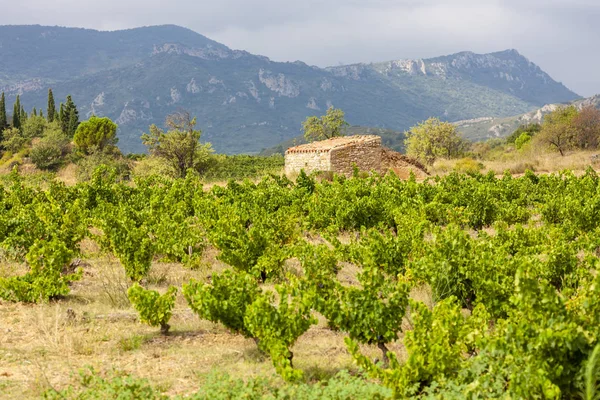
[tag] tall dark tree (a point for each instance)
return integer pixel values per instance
(42, 113)
(23, 117)
(70, 118)
(51, 106)
(16, 117)
(61, 117)
(3, 119)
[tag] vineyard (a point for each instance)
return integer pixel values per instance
(463, 286)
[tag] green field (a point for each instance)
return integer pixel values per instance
(463, 286)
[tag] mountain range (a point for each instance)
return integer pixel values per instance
(244, 102)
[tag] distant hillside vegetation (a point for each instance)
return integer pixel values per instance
(488, 128)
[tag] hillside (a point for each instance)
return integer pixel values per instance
(244, 102)
(488, 128)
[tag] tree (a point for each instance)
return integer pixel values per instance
(558, 131)
(16, 117)
(48, 153)
(24, 116)
(529, 129)
(13, 141)
(329, 125)
(180, 145)
(33, 127)
(96, 133)
(3, 119)
(51, 106)
(587, 128)
(432, 139)
(69, 117)
(61, 115)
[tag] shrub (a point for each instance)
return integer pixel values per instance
(45, 280)
(48, 153)
(88, 164)
(468, 166)
(522, 140)
(278, 327)
(225, 300)
(13, 140)
(219, 386)
(151, 166)
(154, 309)
(34, 127)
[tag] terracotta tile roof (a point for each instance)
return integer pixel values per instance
(333, 143)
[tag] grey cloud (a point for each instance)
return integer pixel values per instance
(559, 35)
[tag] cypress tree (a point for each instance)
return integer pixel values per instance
(16, 117)
(71, 117)
(34, 112)
(23, 118)
(61, 118)
(3, 119)
(42, 113)
(51, 106)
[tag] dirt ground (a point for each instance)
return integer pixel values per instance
(44, 346)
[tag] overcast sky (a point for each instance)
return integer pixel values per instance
(561, 36)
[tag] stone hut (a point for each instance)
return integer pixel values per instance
(340, 154)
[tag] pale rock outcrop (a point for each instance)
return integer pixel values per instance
(279, 83)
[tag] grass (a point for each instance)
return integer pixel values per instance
(45, 346)
(518, 162)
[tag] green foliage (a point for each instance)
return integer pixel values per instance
(3, 118)
(16, 116)
(251, 240)
(154, 309)
(51, 110)
(468, 166)
(530, 129)
(225, 167)
(369, 314)
(13, 140)
(277, 327)
(153, 166)
(436, 346)
(219, 386)
(326, 127)
(180, 146)
(592, 375)
(95, 133)
(49, 152)
(433, 139)
(33, 127)
(89, 163)
(343, 386)
(128, 239)
(510, 263)
(558, 131)
(95, 387)
(522, 140)
(45, 279)
(69, 117)
(224, 300)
